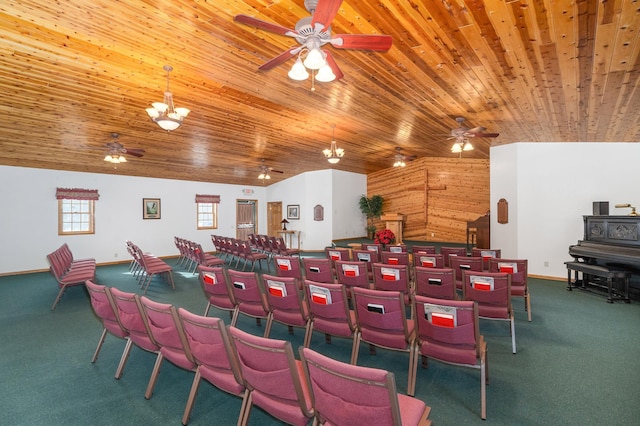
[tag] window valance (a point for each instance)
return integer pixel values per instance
(202, 198)
(76, 194)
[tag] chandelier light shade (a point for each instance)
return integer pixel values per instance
(314, 60)
(333, 154)
(399, 163)
(164, 113)
(461, 145)
(115, 158)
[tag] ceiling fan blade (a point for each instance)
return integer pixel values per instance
(136, 152)
(325, 12)
(275, 171)
(281, 58)
(334, 66)
(477, 129)
(377, 42)
(264, 25)
(482, 135)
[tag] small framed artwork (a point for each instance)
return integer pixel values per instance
(293, 211)
(151, 208)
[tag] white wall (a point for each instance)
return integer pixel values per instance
(29, 218)
(549, 187)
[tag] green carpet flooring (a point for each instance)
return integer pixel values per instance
(577, 362)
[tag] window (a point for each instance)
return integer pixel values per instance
(76, 211)
(207, 211)
(207, 215)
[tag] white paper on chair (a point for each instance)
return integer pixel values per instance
(320, 295)
(479, 282)
(443, 316)
(277, 288)
(350, 270)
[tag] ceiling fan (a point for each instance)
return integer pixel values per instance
(312, 33)
(462, 134)
(401, 160)
(115, 150)
(265, 171)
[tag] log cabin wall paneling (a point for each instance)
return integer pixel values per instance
(437, 196)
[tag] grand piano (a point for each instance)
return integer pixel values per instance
(612, 241)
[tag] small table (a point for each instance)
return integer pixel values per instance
(290, 234)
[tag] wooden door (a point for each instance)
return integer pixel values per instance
(246, 218)
(274, 217)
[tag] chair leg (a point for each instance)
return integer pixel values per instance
(123, 358)
(527, 299)
(267, 327)
(192, 397)
(513, 333)
(154, 376)
(355, 348)
(55, 302)
(100, 342)
(483, 390)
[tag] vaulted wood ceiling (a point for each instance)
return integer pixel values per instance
(73, 72)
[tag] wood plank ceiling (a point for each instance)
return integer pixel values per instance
(73, 72)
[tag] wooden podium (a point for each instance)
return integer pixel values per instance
(394, 224)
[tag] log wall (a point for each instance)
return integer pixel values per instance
(437, 196)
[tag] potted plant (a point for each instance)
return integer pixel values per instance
(372, 209)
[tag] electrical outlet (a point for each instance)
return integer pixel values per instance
(546, 263)
(115, 254)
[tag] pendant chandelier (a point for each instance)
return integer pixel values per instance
(164, 114)
(333, 154)
(461, 144)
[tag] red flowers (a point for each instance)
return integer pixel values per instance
(384, 237)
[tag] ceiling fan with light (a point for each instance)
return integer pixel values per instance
(265, 171)
(462, 134)
(115, 151)
(401, 160)
(312, 33)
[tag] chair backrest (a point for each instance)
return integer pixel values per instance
(211, 349)
(448, 252)
(215, 284)
(418, 249)
(492, 292)
(381, 317)
(285, 300)
(395, 258)
(271, 372)
(486, 255)
(374, 251)
(105, 309)
(448, 330)
(249, 294)
(317, 269)
(133, 319)
(391, 278)
(352, 274)
(337, 253)
(517, 268)
(396, 248)
(287, 266)
(372, 247)
(464, 263)
(329, 308)
(345, 394)
(435, 282)
(428, 260)
(166, 329)
(370, 257)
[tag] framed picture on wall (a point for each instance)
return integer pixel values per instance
(151, 208)
(293, 211)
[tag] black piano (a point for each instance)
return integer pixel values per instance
(612, 241)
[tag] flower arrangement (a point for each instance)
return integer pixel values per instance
(385, 237)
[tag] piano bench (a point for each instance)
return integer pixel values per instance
(611, 275)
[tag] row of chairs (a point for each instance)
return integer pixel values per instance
(234, 249)
(271, 245)
(67, 271)
(144, 266)
(192, 255)
(377, 318)
(262, 371)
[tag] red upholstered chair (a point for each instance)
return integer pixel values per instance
(383, 323)
(345, 394)
(428, 260)
(167, 331)
(352, 274)
(283, 250)
(337, 253)
(217, 289)
(316, 269)
(203, 258)
(464, 263)
(372, 247)
(368, 256)
(105, 309)
(486, 255)
(393, 278)
(132, 318)
(435, 282)
(274, 379)
(448, 332)
(418, 249)
(152, 266)
(330, 314)
(286, 304)
(216, 360)
(393, 258)
(492, 292)
(448, 252)
(249, 255)
(286, 266)
(396, 248)
(519, 274)
(249, 295)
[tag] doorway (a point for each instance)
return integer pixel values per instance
(246, 218)
(274, 217)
